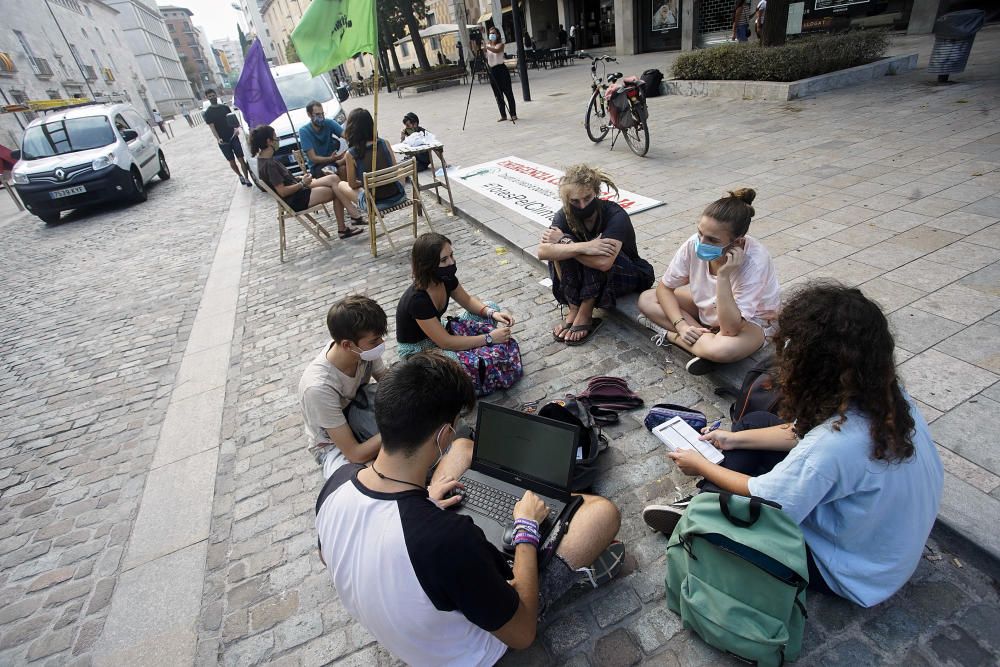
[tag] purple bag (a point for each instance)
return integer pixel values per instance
(491, 367)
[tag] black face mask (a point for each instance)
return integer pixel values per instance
(584, 213)
(446, 273)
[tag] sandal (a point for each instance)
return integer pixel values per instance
(562, 329)
(359, 221)
(348, 233)
(587, 329)
(500, 120)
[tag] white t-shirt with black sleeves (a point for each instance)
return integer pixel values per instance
(423, 581)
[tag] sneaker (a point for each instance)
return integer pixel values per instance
(662, 518)
(605, 566)
(699, 366)
(660, 338)
(244, 181)
(683, 502)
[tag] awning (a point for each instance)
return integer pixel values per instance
(6, 63)
(435, 31)
(488, 15)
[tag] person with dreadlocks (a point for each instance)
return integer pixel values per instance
(849, 458)
(592, 254)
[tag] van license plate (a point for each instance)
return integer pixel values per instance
(67, 192)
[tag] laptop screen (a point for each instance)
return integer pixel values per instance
(525, 445)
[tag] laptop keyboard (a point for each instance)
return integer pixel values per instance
(493, 502)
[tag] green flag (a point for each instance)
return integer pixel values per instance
(333, 31)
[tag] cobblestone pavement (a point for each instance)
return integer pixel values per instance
(77, 424)
(268, 599)
(891, 186)
(96, 312)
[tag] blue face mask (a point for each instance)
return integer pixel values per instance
(707, 252)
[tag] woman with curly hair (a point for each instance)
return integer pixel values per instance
(592, 254)
(720, 296)
(858, 469)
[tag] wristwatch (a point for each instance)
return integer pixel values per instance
(489, 339)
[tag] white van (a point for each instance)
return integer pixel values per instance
(298, 88)
(85, 155)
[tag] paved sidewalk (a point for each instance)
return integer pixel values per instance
(268, 599)
(100, 312)
(893, 186)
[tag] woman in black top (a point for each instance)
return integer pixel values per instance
(300, 195)
(419, 312)
(592, 253)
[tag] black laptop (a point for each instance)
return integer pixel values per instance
(515, 452)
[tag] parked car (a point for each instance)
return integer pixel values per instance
(85, 155)
(298, 88)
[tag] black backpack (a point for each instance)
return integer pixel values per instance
(591, 441)
(758, 393)
(652, 79)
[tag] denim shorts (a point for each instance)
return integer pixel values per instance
(385, 203)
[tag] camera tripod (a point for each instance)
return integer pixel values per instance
(480, 61)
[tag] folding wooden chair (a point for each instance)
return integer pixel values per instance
(374, 179)
(304, 218)
(301, 160)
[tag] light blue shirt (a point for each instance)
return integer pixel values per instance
(321, 141)
(865, 521)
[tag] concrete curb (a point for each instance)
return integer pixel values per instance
(790, 90)
(965, 515)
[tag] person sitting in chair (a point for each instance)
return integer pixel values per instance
(362, 155)
(299, 195)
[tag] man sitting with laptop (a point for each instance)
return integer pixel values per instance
(422, 578)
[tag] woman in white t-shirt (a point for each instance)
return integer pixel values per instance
(720, 297)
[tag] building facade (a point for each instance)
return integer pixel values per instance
(258, 29)
(146, 35)
(59, 49)
(188, 41)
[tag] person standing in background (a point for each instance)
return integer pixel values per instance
(499, 76)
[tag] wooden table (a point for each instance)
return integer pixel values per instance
(436, 148)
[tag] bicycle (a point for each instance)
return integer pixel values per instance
(597, 120)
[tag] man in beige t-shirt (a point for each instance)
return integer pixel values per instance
(334, 378)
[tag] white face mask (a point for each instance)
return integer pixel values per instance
(373, 354)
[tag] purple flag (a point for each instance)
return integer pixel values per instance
(257, 94)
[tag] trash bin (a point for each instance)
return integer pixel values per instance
(954, 34)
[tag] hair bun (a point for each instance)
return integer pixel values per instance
(746, 195)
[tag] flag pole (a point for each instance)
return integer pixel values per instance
(372, 204)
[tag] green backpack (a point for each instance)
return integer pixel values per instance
(737, 575)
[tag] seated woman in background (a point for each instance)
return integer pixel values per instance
(361, 153)
(592, 255)
(853, 464)
(720, 296)
(424, 303)
(300, 195)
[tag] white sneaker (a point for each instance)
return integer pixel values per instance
(660, 339)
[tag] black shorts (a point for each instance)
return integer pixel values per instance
(300, 200)
(232, 148)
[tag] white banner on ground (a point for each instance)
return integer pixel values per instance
(533, 189)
